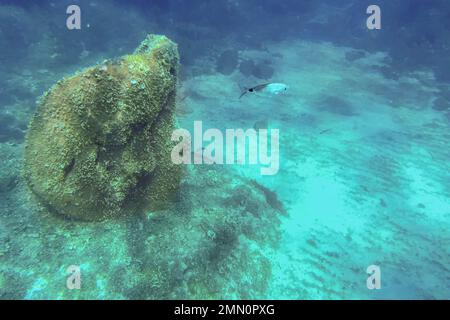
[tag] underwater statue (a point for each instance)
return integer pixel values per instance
(99, 144)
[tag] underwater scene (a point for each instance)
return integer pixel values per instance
(227, 149)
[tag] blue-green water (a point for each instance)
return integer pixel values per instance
(363, 173)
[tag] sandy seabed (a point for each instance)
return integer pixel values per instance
(363, 181)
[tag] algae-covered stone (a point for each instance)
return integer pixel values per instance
(99, 144)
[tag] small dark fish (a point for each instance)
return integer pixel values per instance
(325, 131)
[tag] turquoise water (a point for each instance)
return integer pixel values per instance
(363, 173)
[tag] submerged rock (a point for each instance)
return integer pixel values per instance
(99, 144)
(354, 55)
(441, 104)
(260, 70)
(247, 67)
(227, 62)
(261, 124)
(263, 70)
(337, 105)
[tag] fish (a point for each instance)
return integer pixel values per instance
(325, 131)
(270, 88)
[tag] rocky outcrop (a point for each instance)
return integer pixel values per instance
(99, 144)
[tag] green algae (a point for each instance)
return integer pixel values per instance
(99, 145)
